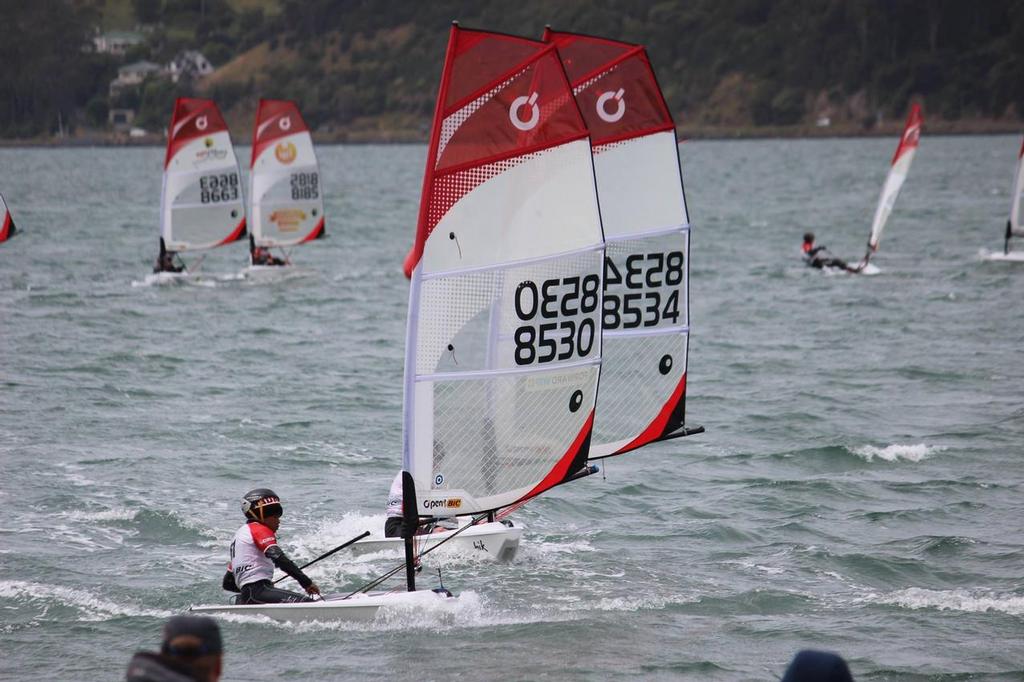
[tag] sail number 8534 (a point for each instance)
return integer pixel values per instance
(631, 296)
(540, 341)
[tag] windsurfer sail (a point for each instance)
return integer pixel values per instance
(503, 345)
(7, 228)
(201, 205)
(285, 188)
(898, 170)
(646, 322)
(1013, 228)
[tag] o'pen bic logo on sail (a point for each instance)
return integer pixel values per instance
(520, 102)
(620, 106)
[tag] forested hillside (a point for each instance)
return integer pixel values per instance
(368, 69)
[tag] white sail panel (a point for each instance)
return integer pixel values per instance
(201, 203)
(503, 351)
(1017, 196)
(285, 186)
(897, 174)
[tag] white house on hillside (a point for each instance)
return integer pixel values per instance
(133, 74)
(189, 64)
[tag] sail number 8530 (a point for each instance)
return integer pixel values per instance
(556, 298)
(644, 274)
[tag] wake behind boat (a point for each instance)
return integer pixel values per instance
(1013, 226)
(284, 186)
(201, 204)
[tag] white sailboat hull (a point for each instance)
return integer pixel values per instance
(999, 256)
(359, 608)
(496, 539)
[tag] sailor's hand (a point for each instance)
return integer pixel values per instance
(313, 589)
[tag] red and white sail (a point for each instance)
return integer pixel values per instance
(503, 347)
(898, 170)
(285, 190)
(7, 228)
(647, 231)
(201, 205)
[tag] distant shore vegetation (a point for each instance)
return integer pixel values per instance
(367, 70)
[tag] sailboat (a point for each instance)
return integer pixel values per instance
(1013, 226)
(898, 170)
(201, 205)
(284, 184)
(503, 343)
(646, 321)
(7, 228)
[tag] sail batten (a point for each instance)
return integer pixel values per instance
(1017, 195)
(285, 187)
(645, 307)
(201, 201)
(503, 343)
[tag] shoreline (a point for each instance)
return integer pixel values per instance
(685, 133)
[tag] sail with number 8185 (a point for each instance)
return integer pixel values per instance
(503, 346)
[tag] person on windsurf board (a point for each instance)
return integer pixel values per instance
(820, 257)
(255, 553)
(259, 255)
(166, 260)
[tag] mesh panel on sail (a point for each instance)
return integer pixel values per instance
(502, 433)
(634, 387)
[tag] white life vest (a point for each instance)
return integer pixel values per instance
(248, 561)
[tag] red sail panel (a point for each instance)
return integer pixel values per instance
(275, 118)
(501, 97)
(615, 87)
(7, 228)
(192, 118)
(911, 133)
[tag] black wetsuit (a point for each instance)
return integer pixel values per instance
(819, 257)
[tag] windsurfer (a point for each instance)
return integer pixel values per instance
(819, 256)
(165, 261)
(255, 553)
(394, 522)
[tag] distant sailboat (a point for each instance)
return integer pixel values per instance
(898, 170)
(646, 323)
(285, 187)
(201, 206)
(7, 228)
(1013, 226)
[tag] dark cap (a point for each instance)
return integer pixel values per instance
(191, 637)
(817, 666)
(808, 236)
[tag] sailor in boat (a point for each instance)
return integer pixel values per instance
(165, 262)
(261, 255)
(819, 256)
(191, 650)
(394, 523)
(255, 553)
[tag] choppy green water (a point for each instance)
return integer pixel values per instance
(859, 487)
